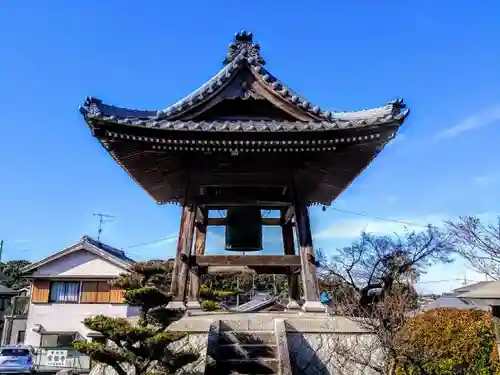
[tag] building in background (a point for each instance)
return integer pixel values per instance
(67, 287)
(6, 295)
(455, 300)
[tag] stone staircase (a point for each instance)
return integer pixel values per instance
(247, 353)
(236, 350)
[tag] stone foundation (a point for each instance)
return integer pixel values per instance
(314, 342)
(306, 343)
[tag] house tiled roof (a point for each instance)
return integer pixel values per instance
(120, 254)
(451, 300)
(259, 302)
(6, 290)
(470, 287)
(489, 290)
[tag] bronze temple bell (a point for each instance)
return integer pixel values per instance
(243, 229)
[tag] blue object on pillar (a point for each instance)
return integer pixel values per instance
(325, 298)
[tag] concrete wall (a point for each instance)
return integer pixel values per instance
(59, 317)
(12, 327)
(79, 263)
(317, 346)
(321, 353)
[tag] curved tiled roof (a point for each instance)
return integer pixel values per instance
(242, 53)
(266, 125)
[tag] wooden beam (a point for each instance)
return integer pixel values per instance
(222, 203)
(263, 205)
(214, 178)
(247, 260)
(260, 270)
(256, 198)
(217, 221)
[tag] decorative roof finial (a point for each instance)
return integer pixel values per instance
(243, 45)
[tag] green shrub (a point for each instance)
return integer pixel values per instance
(210, 305)
(447, 342)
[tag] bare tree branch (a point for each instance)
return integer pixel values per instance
(383, 348)
(373, 265)
(478, 243)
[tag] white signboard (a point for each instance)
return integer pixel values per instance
(57, 358)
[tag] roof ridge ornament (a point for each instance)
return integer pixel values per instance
(243, 45)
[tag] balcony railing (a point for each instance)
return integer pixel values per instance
(51, 359)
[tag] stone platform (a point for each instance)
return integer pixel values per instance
(275, 343)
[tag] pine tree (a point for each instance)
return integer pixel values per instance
(216, 288)
(140, 346)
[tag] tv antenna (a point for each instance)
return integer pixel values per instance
(103, 218)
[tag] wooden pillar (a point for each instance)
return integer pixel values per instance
(200, 233)
(175, 269)
(181, 265)
(293, 279)
(496, 324)
(308, 261)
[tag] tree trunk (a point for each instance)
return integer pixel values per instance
(392, 368)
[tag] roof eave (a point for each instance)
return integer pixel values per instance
(71, 277)
(340, 123)
(483, 301)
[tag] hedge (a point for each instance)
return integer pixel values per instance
(449, 341)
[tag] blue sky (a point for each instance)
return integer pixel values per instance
(441, 57)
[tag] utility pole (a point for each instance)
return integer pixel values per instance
(103, 218)
(1, 249)
(465, 279)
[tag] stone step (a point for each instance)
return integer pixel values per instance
(247, 337)
(247, 366)
(256, 323)
(250, 351)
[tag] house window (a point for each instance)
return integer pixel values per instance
(64, 292)
(20, 337)
(4, 303)
(57, 340)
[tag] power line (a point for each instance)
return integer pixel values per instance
(380, 218)
(3, 244)
(444, 281)
(151, 242)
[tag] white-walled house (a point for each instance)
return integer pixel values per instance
(69, 286)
